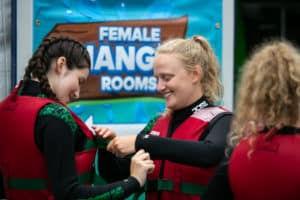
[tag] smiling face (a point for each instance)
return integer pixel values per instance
(179, 87)
(64, 82)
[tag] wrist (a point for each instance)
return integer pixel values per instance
(136, 181)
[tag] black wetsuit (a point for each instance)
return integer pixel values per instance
(205, 153)
(58, 143)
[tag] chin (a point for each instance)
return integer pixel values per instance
(170, 106)
(64, 101)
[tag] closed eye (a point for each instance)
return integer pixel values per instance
(81, 81)
(166, 77)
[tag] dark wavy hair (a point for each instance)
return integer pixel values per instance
(50, 49)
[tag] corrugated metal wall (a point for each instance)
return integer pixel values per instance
(5, 47)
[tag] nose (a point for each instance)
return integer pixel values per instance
(76, 94)
(160, 85)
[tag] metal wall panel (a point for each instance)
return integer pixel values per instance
(5, 47)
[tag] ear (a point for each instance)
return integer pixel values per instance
(197, 74)
(60, 64)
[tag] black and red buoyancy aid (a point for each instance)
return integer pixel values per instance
(180, 181)
(21, 162)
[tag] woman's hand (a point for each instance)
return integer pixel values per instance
(122, 146)
(103, 132)
(140, 166)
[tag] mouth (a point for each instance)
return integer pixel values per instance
(167, 94)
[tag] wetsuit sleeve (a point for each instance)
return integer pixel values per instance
(55, 138)
(206, 152)
(112, 168)
(219, 188)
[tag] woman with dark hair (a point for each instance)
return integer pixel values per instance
(46, 151)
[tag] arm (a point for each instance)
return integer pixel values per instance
(58, 137)
(112, 168)
(219, 188)
(204, 153)
(122, 146)
(58, 149)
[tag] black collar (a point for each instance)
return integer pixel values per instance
(189, 110)
(180, 115)
(285, 130)
(30, 88)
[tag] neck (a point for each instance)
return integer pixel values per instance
(297, 124)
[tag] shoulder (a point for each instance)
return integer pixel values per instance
(59, 112)
(219, 122)
(212, 113)
(223, 115)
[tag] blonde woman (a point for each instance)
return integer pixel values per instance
(188, 140)
(265, 130)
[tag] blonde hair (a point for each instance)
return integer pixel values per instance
(268, 96)
(197, 51)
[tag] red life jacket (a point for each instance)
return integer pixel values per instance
(181, 181)
(21, 162)
(270, 172)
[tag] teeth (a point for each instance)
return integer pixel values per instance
(167, 94)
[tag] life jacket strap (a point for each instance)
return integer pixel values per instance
(40, 184)
(168, 185)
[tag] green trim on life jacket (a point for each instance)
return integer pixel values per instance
(102, 143)
(159, 185)
(190, 188)
(116, 193)
(40, 184)
(98, 180)
(60, 112)
(168, 185)
(90, 144)
(96, 142)
(27, 184)
(150, 125)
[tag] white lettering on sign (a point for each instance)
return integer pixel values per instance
(128, 83)
(123, 58)
(130, 34)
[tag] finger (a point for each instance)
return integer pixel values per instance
(144, 156)
(110, 146)
(151, 169)
(109, 134)
(137, 155)
(140, 152)
(148, 163)
(102, 131)
(96, 128)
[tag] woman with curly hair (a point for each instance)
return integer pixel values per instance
(264, 144)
